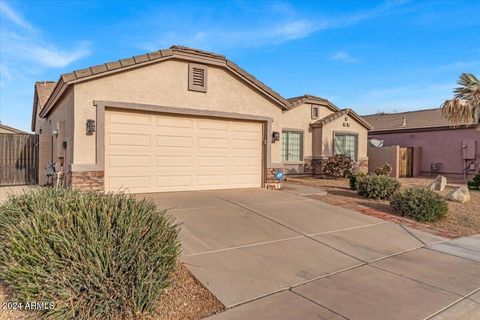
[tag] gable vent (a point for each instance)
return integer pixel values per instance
(197, 77)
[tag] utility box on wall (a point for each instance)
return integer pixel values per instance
(468, 149)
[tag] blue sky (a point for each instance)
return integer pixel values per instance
(368, 55)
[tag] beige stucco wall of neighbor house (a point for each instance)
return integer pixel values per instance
(166, 84)
(4, 130)
(337, 125)
(63, 113)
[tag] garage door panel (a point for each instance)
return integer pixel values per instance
(245, 178)
(174, 161)
(174, 141)
(128, 161)
(246, 161)
(123, 139)
(129, 120)
(135, 182)
(178, 153)
(174, 122)
(212, 161)
(168, 181)
(212, 179)
(214, 143)
(252, 145)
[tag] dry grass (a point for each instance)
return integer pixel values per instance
(463, 219)
(186, 299)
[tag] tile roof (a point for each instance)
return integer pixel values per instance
(296, 101)
(333, 116)
(174, 51)
(420, 119)
(44, 89)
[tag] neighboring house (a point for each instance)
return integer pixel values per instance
(438, 146)
(10, 130)
(185, 119)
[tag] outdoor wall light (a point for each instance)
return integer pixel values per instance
(275, 136)
(55, 132)
(90, 126)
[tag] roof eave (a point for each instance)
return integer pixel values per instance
(324, 121)
(147, 59)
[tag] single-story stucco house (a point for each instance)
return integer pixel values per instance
(438, 146)
(185, 119)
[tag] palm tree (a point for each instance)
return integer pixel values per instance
(465, 106)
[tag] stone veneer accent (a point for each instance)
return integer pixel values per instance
(87, 180)
(313, 166)
(271, 174)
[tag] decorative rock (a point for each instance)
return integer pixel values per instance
(438, 184)
(459, 195)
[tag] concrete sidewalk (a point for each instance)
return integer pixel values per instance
(276, 255)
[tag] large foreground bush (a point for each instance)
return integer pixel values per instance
(377, 187)
(95, 256)
(420, 204)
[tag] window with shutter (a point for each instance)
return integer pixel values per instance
(197, 77)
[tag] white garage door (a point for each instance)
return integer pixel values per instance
(153, 152)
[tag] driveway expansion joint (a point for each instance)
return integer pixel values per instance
(450, 254)
(290, 228)
(318, 304)
(419, 281)
(466, 297)
(408, 231)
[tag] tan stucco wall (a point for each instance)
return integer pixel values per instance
(378, 157)
(166, 84)
(300, 118)
(326, 136)
(64, 112)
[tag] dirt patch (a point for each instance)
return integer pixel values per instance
(461, 220)
(186, 299)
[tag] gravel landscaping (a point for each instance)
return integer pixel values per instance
(462, 219)
(186, 299)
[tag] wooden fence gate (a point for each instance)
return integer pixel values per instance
(18, 159)
(406, 163)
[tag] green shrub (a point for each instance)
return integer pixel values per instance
(384, 170)
(354, 178)
(474, 184)
(96, 256)
(338, 166)
(420, 204)
(377, 187)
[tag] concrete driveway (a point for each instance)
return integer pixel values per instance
(277, 255)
